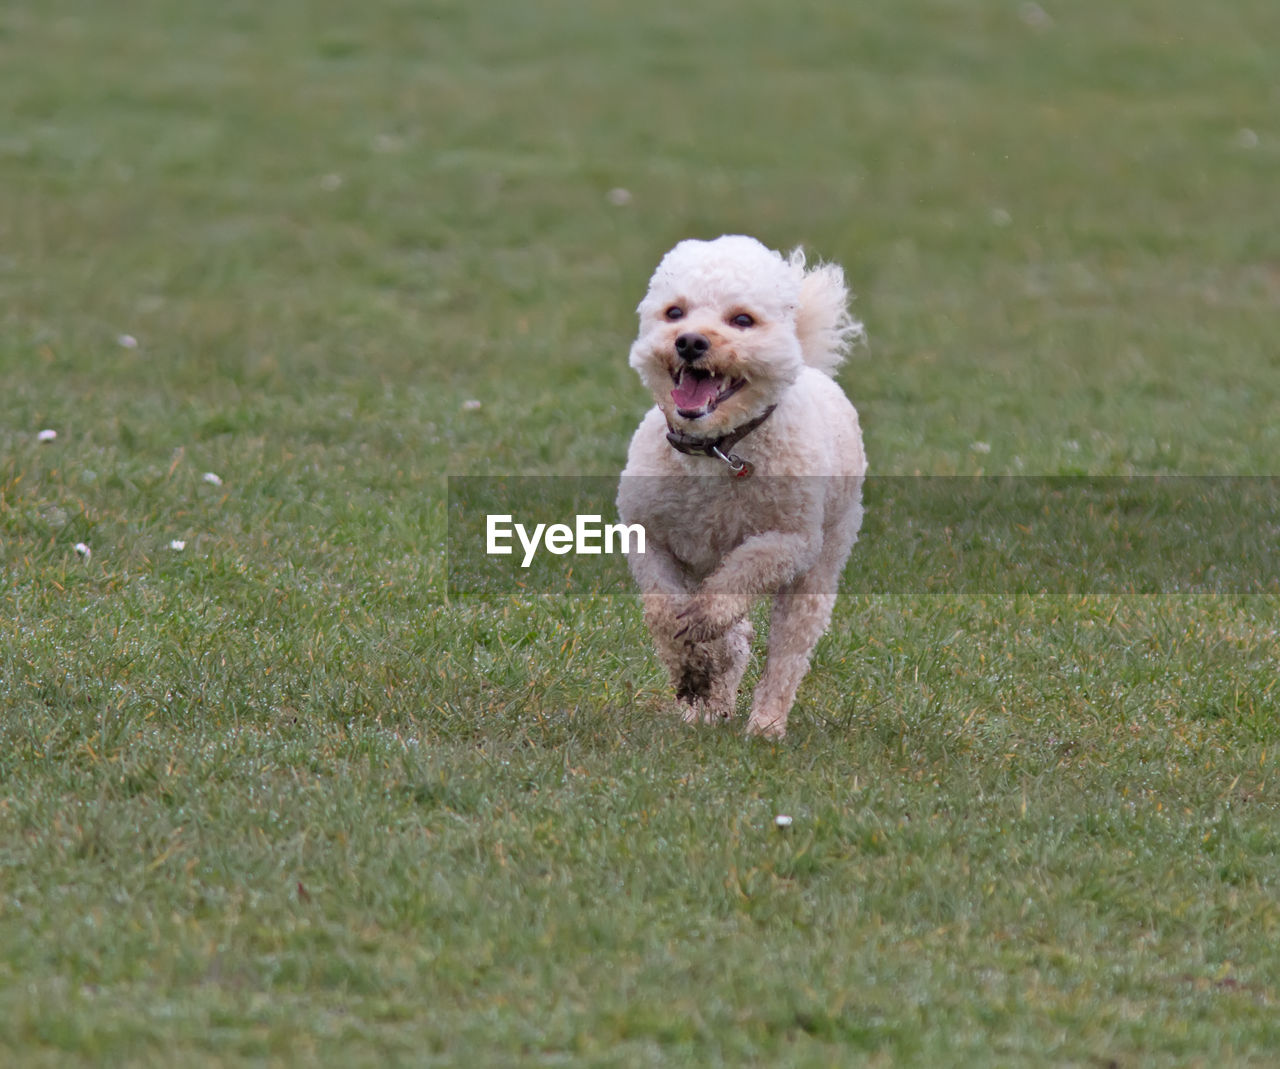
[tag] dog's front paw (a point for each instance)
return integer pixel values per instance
(702, 711)
(707, 617)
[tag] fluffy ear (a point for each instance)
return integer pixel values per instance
(824, 325)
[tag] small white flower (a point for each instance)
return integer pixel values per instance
(47, 435)
(330, 182)
(1000, 217)
(212, 478)
(127, 341)
(1246, 138)
(178, 545)
(84, 550)
(619, 197)
(782, 821)
(471, 406)
(980, 447)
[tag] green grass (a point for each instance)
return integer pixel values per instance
(270, 799)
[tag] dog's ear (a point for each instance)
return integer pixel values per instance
(824, 324)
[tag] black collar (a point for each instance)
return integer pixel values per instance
(718, 447)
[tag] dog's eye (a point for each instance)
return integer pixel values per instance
(742, 320)
(675, 312)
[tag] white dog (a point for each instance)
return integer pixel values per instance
(747, 474)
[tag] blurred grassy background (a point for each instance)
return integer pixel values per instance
(1056, 223)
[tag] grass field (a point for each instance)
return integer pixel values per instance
(270, 798)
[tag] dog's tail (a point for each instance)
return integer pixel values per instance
(823, 322)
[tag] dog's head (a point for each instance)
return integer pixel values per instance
(718, 340)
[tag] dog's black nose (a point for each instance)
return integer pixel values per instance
(691, 346)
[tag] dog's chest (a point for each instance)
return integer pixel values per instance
(702, 520)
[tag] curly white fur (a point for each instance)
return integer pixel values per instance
(823, 323)
(771, 331)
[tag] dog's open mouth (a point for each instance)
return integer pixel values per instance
(698, 391)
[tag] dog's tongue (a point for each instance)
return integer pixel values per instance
(694, 392)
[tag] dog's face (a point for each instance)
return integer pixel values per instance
(717, 343)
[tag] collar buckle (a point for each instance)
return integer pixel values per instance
(740, 468)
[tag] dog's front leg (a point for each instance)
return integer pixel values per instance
(705, 675)
(761, 565)
(797, 622)
(664, 588)
(664, 593)
(801, 613)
